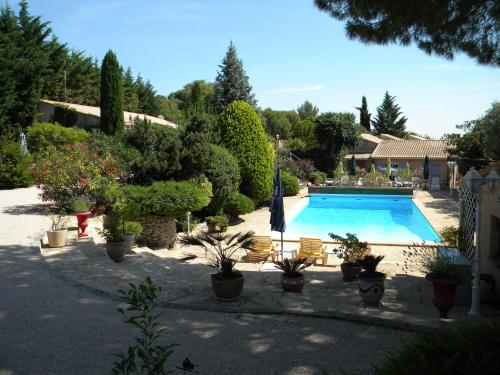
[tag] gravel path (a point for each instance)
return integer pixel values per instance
(50, 327)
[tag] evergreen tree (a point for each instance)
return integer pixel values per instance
(307, 110)
(147, 97)
(54, 85)
(231, 82)
(111, 95)
(389, 118)
(364, 115)
(83, 77)
(130, 97)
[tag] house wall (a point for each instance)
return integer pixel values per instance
(490, 235)
(85, 121)
(437, 168)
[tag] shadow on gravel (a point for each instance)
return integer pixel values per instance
(26, 209)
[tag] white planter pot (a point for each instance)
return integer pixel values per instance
(58, 238)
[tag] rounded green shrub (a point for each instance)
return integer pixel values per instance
(242, 132)
(65, 116)
(218, 223)
(224, 174)
(290, 184)
(40, 136)
(14, 166)
(238, 204)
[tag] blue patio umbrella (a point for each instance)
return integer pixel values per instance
(276, 208)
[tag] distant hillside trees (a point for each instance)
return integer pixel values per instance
(112, 120)
(389, 119)
(307, 110)
(232, 82)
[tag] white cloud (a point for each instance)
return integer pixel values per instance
(295, 89)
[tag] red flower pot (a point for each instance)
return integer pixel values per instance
(82, 217)
(444, 295)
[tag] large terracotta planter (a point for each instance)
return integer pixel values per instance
(158, 231)
(81, 218)
(371, 287)
(350, 271)
(58, 238)
(227, 290)
(444, 294)
(292, 284)
(116, 250)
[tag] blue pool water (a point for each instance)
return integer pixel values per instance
(373, 218)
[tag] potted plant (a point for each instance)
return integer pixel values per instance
(114, 234)
(217, 223)
(57, 236)
(81, 207)
(132, 231)
(227, 282)
(442, 271)
(371, 282)
(292, 280)
(351, 250)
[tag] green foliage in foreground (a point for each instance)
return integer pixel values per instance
(14, 166)
(290, 184)
(242, 133)
(469, 350)
(40, 136)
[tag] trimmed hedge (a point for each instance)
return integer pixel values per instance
(65, 116)
(242, 132)
(290, 184)
(14, 166)
(170, 199)
(40, 136)
(238, 204)
(219, 221)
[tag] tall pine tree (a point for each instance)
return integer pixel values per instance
(364, 115)
(231, 82)
(130, 97)
(111, 95)
(389, 119)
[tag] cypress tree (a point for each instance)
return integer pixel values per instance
(231, 82)
(111, 95)
(364, 115)
(389, 118)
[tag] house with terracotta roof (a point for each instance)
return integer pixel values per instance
(400, 152)
(89, 116)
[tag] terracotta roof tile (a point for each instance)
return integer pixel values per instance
(360, 156)
(411, 149)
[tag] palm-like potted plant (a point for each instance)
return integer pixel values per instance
(371, 282)
(57, 236)
(292, 280)
(227, 282)
(81, 207)
(351, 250)
(441, 270)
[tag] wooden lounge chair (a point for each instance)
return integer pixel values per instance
(312, 249)
(262, 248)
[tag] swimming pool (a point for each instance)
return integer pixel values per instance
(373, 218)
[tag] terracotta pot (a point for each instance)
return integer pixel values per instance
(58, 238)
(227, 290)
(116, 250)
(444, 294)
(350, 271)
(82, 217)
(292, 284)
(371, 287)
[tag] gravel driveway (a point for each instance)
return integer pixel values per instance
(48, 326)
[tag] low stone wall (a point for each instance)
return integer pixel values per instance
(359, 190)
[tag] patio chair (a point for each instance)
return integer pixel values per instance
(415, 181)
(398, 182)
(312, 249)
(344, 180)
(262, 248)
(435, 183)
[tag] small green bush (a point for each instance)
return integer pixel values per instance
(470, 350)
(219, 221)
(238, 204)
(41, 136)
(133, 227)
(319, 176)
(14, 166)
(290, 184)
(169, 199)
(65, 116)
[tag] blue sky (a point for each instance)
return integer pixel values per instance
(291, 52)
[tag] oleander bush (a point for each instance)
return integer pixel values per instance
(14, 165)
(290, 184)
(238, 204)
(65, 115)
(242, 132)
(41, 136)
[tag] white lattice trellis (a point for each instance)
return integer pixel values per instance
(469, 223)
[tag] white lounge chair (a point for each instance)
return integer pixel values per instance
(415, 181)
(435, 183)
(344, 180)
(398, 182)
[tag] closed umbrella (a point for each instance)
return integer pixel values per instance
(352, 172)
(388, 168)
(426, 168)
(277, 209)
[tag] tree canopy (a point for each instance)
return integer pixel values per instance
(364, 115)
(440, 27)
(389, 119)
(307, 109)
